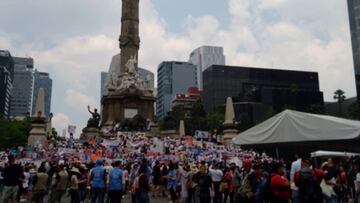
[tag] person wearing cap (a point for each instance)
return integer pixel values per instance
(74, 185)
(98, 180)
(115, 183)
(248, 185)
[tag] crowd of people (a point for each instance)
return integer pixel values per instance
(179, 170)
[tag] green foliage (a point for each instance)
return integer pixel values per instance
(354, 110)
(339, 96)
(245, 122)
(215, 120)
(315, 108)
(196, 119)
(14, 133)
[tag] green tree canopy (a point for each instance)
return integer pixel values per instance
(14, 133)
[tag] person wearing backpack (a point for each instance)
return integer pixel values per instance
(306, 181)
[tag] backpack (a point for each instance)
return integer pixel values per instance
(309, 188)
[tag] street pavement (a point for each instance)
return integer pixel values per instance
(127, 199)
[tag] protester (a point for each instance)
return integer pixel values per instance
(12, 178)
(192, 171)
(116, 183)
(204, 189)
(228, 185)
(279, 184)
(142, 186)
(307, 184)
(59, 185)
(295, 167)
(98, 182)
(216, 176)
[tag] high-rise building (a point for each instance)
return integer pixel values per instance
(205, 56)
(42, 80)
(6, 80)
(354, 16)
(276, 89)
(173, 78)
(23, 86)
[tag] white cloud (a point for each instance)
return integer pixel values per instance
(79, 101)
(60, 121)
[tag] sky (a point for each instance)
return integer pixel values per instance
(74, 40)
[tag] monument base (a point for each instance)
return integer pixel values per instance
(117, 108)
(37, 135)
(90, 134)
(228, 135)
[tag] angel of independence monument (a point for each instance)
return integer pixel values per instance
(127, 95)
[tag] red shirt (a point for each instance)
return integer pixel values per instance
(280, 186)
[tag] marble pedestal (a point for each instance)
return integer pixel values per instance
(37, 135)
(116, 108)
(90, 134)
(228, 135)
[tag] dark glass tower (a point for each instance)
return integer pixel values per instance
(354, 19)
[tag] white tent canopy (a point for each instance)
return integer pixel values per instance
(293, 126)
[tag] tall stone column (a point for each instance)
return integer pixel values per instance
(129, 38)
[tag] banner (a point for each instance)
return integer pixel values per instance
(71, 129)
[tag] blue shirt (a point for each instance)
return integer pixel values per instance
(115, 179)
(171, 178)
(98, 177)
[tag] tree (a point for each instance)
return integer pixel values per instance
(215, 120)
(340, 97)
(245, 122)
(14, 133)
(315, 108)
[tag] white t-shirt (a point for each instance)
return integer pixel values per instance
(357, 181)
(216, 174)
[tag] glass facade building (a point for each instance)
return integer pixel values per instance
(173, 78)
(279, 89)
(42, 80)
(23, 86)
(6, 80)
(205, 56)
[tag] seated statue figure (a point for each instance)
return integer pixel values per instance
(95, 120)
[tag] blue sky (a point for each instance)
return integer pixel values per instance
(74, 40)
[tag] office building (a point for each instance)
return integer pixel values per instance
(276, 89)
(173, 78)
(23, 86)
(6, 80)
(205, 56)
(354, 16)
(42, 80)
(187, 100)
